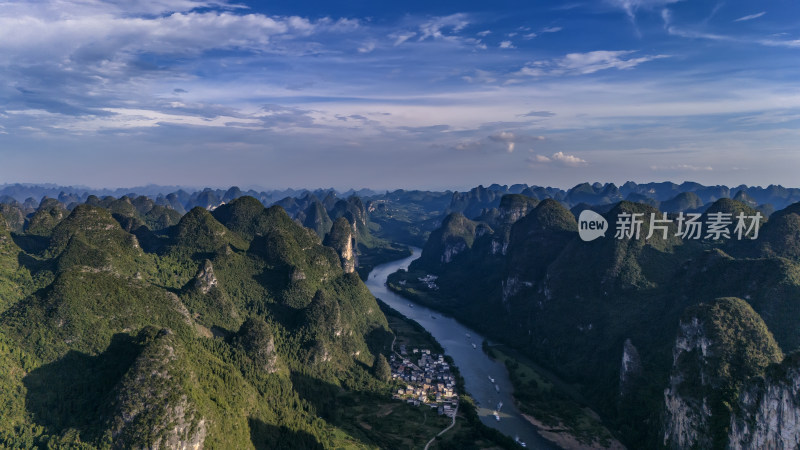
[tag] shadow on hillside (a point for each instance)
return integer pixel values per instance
(323, 396)
(75, 391)
(265, 436)
(379, 340)
(31, 263)
(31, 243)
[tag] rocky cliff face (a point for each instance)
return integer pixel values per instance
(721, 352)
(630, 368)
(769, 408)
(256, 339)
(13, 216)
(342, 239)
(686, 424)
(316, 218)
(205, 279)
(152, 408)
(353, 210)
(453, 238)
(471, 203)
(514, 207)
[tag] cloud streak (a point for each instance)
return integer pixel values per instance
(223, 78)
(750, 17)
(587, 63)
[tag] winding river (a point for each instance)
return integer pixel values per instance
(475, 366)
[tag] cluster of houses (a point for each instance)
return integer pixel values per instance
(430, 281)
(427, 378)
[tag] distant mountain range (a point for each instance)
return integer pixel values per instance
(666, 195)
(189, 197)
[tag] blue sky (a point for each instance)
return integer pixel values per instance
(414, 94)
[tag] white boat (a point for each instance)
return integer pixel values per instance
(491, 380)
(497, 388)
(468, 335)
(496, 415)
(499, 405)
(521, 443)
(474, 346)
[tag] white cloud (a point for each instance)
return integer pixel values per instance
(480, 76)
(506, 140)
(632, 6)
(401, 37)
(792, 43)
(750, 17)
(529, 36)
(435, 28)
(367, 47)
(693, 34)
(506, 137)
(70, 9)
(558, 158)
(99, 36)
(773, 41)
(568, 160)
(484, 33)
(586, 63)
(506, 44)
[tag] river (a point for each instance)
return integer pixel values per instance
(474, 365)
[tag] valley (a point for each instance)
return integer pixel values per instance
(268, 309)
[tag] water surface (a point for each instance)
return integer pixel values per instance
(472, 362)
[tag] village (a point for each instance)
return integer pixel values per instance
(428, 380)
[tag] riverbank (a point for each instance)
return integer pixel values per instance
(560, 436)
(465, 430)
(369, 258)
(559, 407)
(484, 379)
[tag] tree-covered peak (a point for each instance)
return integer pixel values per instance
(549, 215)
(240, 215)
(198, 231)
(729, 206)
(97, 228)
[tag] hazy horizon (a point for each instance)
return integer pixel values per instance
(166, 188)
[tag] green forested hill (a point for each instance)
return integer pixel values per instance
(227, 329)
(582, 309)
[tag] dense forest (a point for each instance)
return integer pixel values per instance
(233, 320)
(673, 341)
(126, 324)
